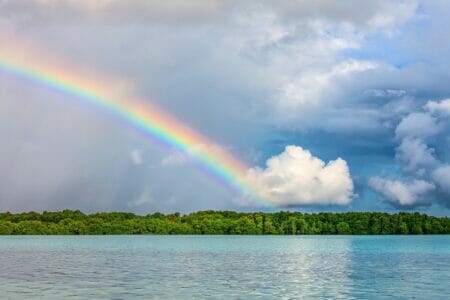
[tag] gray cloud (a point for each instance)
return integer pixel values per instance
(417, 131)
(441, 176)
(403, 194)
(417, 125)
(370, 13)
(439, 107)
(237, 71)
(416, 155)
(112, 11)
(58, 154)
(375, 13)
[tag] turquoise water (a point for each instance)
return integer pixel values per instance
(231, 267)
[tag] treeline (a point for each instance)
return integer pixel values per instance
(221, 222)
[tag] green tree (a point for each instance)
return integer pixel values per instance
(302, 226)
(403, 228)
(6, 228)
(343, 228)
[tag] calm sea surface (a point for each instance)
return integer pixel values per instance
(231, 267)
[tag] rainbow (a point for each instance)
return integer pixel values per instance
(148, 119)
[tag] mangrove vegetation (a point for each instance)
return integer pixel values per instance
(71, 222)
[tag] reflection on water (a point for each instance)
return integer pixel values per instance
(224, 266)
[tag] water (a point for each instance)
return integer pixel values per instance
(231, 267)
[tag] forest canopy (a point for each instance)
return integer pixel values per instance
(69, 222)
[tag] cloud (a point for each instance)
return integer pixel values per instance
(416, 155)
(405, 194)
(442, 106)
(175, 158)
(285, 62)
(418, 125)
(345, 73)
(392, 14)
(306, 46)
(388, 93)
(295, 177)
(423, 137)
(309, 89)
(375, 13)
(441, 176)
(136, 157)
(398, 106)
(144, 199)
(116, 11)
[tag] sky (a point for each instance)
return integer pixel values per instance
(331, 105)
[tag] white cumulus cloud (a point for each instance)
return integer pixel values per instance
(296, 177)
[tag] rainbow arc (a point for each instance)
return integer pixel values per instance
(155, 123)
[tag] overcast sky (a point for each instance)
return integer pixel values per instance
(333, 105)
